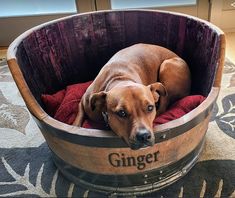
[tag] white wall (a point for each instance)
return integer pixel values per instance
(223, 14)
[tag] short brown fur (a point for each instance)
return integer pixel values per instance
(132, 81)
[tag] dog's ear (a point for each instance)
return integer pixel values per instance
(159, 88)
(98, 101)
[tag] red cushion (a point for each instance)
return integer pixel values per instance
(68, 109)
(179, 108)
(52, 102)
(63, 106)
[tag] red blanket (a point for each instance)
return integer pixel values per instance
(63, 106)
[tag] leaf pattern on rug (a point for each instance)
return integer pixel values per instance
(12, 116)
(34, 177)
(5, 75)
(2, 61)
(24, 181)
(229, 67)
(232, 81)
(226, 120)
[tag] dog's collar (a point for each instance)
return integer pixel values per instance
(106, 118)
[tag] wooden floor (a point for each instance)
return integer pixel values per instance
(3, 52)
(230, 47)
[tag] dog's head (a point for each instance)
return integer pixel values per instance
(130, 111)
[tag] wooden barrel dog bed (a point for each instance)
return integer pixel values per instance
(73, 49)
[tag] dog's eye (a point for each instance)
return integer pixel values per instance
(150, 108)
(122, 114)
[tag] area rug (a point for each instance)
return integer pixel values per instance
(27, 169)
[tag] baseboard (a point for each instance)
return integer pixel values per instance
(228, 30)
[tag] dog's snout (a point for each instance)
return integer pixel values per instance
(143, 135)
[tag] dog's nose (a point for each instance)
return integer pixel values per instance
(143, 135)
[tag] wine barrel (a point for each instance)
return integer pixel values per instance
(51, 56)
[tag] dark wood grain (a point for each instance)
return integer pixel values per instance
(74, 49)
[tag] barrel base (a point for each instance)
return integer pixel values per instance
(161, 177)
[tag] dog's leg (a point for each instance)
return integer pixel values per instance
(174, 74)
(80, 116)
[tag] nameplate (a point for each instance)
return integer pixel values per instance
(119, 160)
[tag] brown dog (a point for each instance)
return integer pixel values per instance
(137, 83)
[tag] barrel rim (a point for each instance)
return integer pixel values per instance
(107, 139)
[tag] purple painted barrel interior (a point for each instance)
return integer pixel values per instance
(74, 49)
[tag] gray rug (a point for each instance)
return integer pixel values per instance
(27, 170)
